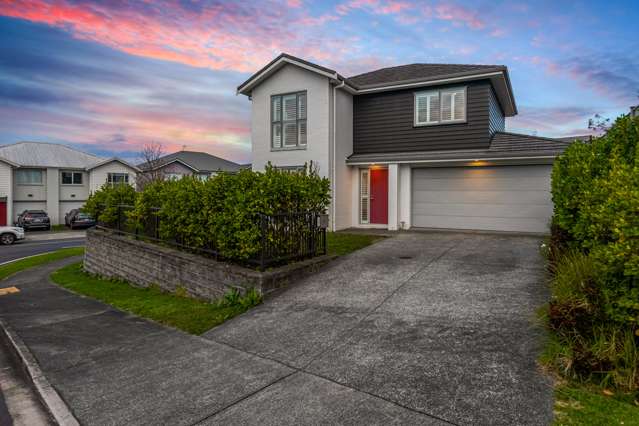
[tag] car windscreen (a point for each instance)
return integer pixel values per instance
(37, 214)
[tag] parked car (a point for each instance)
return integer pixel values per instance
(32, 219)
(10, 234)
(69, 215)
(81, 220)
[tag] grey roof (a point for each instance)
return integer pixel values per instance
(43, 154)
(421, 72)
(502, 145)
(581, 138)
(200, 161)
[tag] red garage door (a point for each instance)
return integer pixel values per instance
(3, 213)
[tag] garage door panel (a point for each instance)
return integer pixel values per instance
(539, 225)
(479, 183)
(484, 210)
(505, 198)
(481, 197)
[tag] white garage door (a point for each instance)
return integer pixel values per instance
(504, 198)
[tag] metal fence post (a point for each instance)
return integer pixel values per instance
(263, 241)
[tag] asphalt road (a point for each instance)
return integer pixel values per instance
(29, 248)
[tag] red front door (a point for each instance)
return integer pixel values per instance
(379, 196)
(3, 213)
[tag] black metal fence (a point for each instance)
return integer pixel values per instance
(283, 238)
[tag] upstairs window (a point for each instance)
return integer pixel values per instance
(440, 106)
(71, 178)
(118, 178)
(29, 177)
(288, 121)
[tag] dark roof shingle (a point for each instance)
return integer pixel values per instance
(201, 161)
(417, 72)
(516, 142)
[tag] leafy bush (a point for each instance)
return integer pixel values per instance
(595, 251)
(102, 204)
(221, 213)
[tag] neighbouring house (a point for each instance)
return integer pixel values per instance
(188, 163)
(412, 146)
(53, 178)
(634, 111)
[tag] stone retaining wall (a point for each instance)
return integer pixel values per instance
(143, 264)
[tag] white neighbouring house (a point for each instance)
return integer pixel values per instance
(53, 178)
(412, 146)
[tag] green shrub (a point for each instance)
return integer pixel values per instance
(102, 204)
(221, 213)
(594, 254)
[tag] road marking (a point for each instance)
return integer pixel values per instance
(8, 290)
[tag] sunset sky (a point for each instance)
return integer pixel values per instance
(108, 77)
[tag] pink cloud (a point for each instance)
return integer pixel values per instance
(378, 7)
(458, 15)
(240, 37)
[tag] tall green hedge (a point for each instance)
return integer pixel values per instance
(595, 309)
(224, 210)
(595, 189)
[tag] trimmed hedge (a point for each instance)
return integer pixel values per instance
(595, 190)
(224, 209)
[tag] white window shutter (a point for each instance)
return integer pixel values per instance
(459, 110)
(290, 107)
(447, 106)
(301, 105)
(277, 135)
(302, 132)
(433, 108)
(290, 134)
(364, 197)
(276, 108)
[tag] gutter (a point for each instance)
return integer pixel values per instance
(449, 160)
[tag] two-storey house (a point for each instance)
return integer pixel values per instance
(54, 178)
(412, 146)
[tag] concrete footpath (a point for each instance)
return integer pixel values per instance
(114, 368)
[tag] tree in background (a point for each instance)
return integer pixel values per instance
(151, 155)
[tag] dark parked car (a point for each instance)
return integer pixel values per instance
(34, 219)
(69, 215)
(81, 220)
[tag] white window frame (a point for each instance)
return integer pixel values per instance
(364, 174)
(111, 175)
(73, 175)
(439, 93)
(20, 171)
(281, 121)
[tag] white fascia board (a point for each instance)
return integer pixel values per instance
(267, 72)
(455, 160)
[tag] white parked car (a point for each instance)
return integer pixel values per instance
(10, 234)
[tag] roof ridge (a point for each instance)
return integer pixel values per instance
(54, 144)
(428, 63)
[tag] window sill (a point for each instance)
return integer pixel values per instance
(446, 123)
(289, 148)
(72, 184)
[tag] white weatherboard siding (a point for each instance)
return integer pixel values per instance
(287, 80)
(344, 175)
(503, 198)
(99, 175)
(6, 189)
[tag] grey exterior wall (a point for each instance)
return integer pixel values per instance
(383, 122)
(497, 121)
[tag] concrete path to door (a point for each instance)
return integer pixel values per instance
(440, 327)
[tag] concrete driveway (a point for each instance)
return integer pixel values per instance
(421, 328)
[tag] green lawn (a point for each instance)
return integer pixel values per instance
(340, 244)
(187, 314)
(580, 405)
(19, 265)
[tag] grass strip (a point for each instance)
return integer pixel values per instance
(40, 259)
(182, 312)
(340, 244)
(577, 404)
